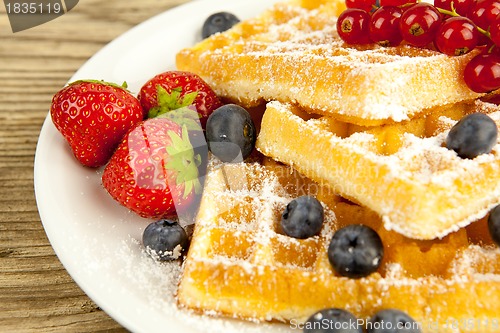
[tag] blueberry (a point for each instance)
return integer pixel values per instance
(392, 321)
(494, 224)
(355, 251)
(303, 217)
(473, 135)
(165, 240)
(218, 22)
(332, 321)
(231, 133)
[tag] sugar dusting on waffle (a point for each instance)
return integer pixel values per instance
(157, 283)
(242, 270)
(241, 265)
(292, 54)
(419, 187)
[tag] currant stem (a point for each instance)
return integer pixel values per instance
(454, 13)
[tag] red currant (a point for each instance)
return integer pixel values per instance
(353, 26)
(482, 73)
(384, 26)
(495, 31)
(366, 5)
(456, 36)
(396, 3)
(484, 12)
(419, 24)
(460, 6)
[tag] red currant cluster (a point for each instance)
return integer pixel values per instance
(453, 27)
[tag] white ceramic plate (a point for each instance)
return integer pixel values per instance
(94, 237)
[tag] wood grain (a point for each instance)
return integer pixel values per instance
(36, 293)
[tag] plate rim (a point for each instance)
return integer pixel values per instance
(48, 128)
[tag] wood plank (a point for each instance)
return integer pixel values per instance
(36, 293)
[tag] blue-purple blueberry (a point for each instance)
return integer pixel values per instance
(494, 224)
(332, 320)
(392, 321)
(218, 22)
(473, 135)
(165, 240)
(303, 217)
(231, 133)
(355, 251)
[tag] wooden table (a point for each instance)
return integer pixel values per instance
(36, 293)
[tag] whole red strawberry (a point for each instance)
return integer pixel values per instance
(93, 116)
(175, 89)
(154, 171)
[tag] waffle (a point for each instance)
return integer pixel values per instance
(292, 53)
(402, 171)
(241, 265)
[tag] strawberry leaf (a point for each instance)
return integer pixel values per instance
(188, 99)
(184, 161)
(184, 117)
(174, 100)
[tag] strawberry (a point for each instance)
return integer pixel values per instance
(93, 116)
(175, 89)
(154, 171)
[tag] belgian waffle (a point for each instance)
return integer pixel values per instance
(292, 53)
(240, 264)
(402, 171)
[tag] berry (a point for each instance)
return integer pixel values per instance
(355, 251)
(366, 5)
(231, 133)
(482, 73)
(392, 321)
(397, 3)
(218, 22)
(165, 240)
(419, 24)
(172, 90)
(495, 31)
(460, 6)
(494, 224)
(473, 135)
(456, 36)
(332, 321)
(303, 217)
(155, 170)
(484, 12)
(93, 116)
(384, 26)
(353, 26)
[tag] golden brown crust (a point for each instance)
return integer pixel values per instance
(402, 171)
(240, 264)
(364, 122)
(294, 55)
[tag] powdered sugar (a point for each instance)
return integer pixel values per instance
(294, 55)
(158, 281)
(269, 262)
(397, 164)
